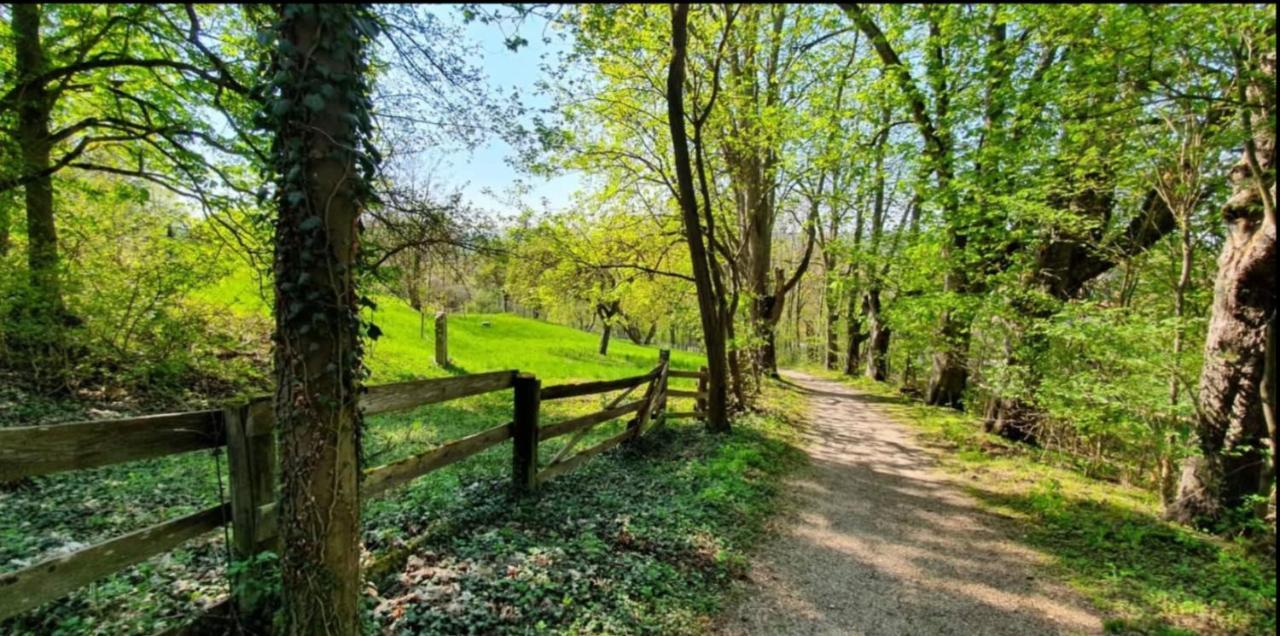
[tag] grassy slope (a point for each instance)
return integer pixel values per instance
(552, 352)
(1147, 576)
(637, 540)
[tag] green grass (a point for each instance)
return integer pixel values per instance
(477, 342)
(1146, 575)
(638, 540)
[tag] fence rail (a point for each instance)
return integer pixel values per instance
(247, 431)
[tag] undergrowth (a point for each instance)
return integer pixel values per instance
(641, 539)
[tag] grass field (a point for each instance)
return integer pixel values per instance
(655, 530)
(1107, 539)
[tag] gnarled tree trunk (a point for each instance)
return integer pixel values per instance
(1231, 425)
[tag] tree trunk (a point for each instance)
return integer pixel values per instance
(317, 342)
(853, 336)
(604, 338)
(833, 323)
(1168, 483)
(6, 222)
(708, 306)
(950, 372)
(34, 106)
(768, 349)
(1231, 425)
(877, 338)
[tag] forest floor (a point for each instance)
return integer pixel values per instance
(881, 542)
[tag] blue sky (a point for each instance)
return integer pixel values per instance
(484, 172)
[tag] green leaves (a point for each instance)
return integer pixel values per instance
(314, 102)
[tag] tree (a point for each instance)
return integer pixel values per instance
(950, 367)
(116, 90)
(708, 305)
(755, 109)
(1235, 421)
(323, 171)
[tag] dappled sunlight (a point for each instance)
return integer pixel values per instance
(881, 542)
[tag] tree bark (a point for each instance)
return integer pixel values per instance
(833, 332)
(878, 332)
(35, 104)
(604, 338)
(854, 336)
(318, 352)
(708, 306)
(950, 372)
(1231, 424)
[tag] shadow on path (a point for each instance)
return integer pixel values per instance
(880, 543)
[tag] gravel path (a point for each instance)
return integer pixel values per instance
(879, 542)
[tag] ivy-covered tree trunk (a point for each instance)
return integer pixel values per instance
(34, 107)
(1231, 424)
(321, 116)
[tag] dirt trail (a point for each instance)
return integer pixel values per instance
(880, 542)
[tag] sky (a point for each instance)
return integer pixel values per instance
(484, 175)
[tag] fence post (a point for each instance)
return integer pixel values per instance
(251, 465)
(524, 433)
(442, 339)
(700, 403)
(664, 359)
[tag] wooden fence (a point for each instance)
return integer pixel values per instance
(247, 432)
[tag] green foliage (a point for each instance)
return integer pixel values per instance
(136, 268)
(642, 540)
(59, 513)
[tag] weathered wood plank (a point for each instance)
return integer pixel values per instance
(657, 395)
(251, 466)
(676, 373)
(54, 578)
(587, 421)
(560, 468)
(560, 391)
(382, 478)
(686, 394)
(403, 395)
(268, 528)
(39, 450)
(677, 415)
